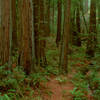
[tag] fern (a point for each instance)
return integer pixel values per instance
(5, 97)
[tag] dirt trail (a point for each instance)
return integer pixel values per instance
(59, 91)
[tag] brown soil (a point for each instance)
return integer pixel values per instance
(59, 91)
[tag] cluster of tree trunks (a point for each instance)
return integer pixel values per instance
(25, 25)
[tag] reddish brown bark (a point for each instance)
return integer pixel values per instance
(14, 32)
(26, 37)
(58, 38)
(65, 46)
(47, 17)
(20, 32)
(78, 27)
(36, 30)
(42, 34)
(5, 31)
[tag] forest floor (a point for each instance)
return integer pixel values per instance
(82, 82)
(60, 87)
(60, 91)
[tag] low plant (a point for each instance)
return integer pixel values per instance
(52, 70)
(11, 81)
(4, 97)
(37, 78)
(78, 94)
(61, 79)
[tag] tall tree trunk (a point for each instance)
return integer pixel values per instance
(85, 6)
(26, 36)
(32, 36)
(58, 38)
(36, 30)
(5, 30)
(42, 35)
(14, 27)
(64, 56)
(47, 17)
(20, 31)
(10, 35)
(0, 29)
(92, 39)
(99, 12)
(78, 27)
(73, 28)
(53, 15)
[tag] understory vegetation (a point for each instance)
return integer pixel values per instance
(85, 76)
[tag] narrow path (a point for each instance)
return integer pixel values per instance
(59, 91)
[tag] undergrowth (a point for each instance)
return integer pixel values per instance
(15, 84)
(87, 83)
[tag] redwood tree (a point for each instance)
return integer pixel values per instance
(92, 39)
(14, 25)
(5, 30)
(26, 36)
(36, 30)
(65, 46)
(58, 38)
(78, 26)
(42, 34)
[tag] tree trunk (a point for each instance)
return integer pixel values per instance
(99, 12)
(73, 28)
(26, 36)
(58, 38)
(92, 39)
(0, 30)
(42, 35)
(20, 32)
(53, 15)
(78, 27)
(5, 31)
(36, 30)
(10, 35)
(14, 27)
(47, 17)
(32, 36)
(64, 56)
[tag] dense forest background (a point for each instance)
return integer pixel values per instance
(49, 49)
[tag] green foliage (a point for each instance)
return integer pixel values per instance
(81, 87)
(11, 82)
(78, 94)
(4, 97)
(15, 83)
(37, 78)
(80, 81)
(87, 83)
(61, 79)
(38, 98)
(52, 70)
(52, 56)
(96, 94)
(94, 83)
(11, 79)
